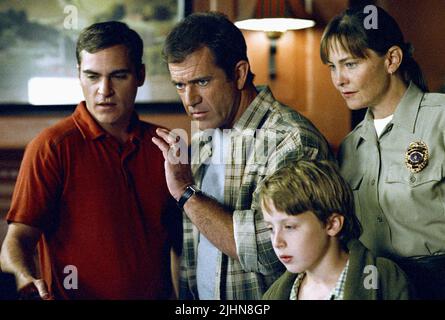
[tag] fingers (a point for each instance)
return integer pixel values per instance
(34, 290)
(168, 136)
(162, 145)
(171, 146)
(42, 288)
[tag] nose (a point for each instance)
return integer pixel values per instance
(191, 96)
(277, 239)
(105, 87)
(339, 78)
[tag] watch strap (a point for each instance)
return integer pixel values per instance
(189, 191)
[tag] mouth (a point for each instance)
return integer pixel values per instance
(106, 105)
(348, 94)
(199, 115)
(285, 259)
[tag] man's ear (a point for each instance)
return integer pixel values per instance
(334, 224)
(141, 75)
(241, 71)
(394, 58)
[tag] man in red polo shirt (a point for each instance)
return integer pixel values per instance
(91, 191)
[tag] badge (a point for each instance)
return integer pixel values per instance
(416, 157)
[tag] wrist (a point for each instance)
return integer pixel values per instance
(187, 194)
(177, 196)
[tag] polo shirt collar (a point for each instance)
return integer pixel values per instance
(90, 129)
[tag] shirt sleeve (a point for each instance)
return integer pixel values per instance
(252, 238)
(38, 185)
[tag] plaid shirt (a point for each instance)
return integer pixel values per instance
(268, 136)
(336, 294)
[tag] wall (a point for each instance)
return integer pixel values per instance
(17, 130)
(423, 24)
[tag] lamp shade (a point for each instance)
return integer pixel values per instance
(277, 16)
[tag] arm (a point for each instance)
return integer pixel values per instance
(241, 234)
(207, 215)
(17, 256)
(175, 262)
(214, 222)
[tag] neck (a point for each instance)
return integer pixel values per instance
(119, 131)
(247, 95)
(328, 270)
(388, 104)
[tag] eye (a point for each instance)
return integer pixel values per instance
(120, 76)
(92, 76)
(203, 82)
(350, 65)
(331, 66)
(179, 86)
(289, 227)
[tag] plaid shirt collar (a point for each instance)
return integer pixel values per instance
(254, 114)
(337, 292)
(249, 121)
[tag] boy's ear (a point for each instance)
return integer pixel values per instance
(334, 224)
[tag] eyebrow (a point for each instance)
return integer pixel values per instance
(343, 59)
(114, 72)
(194, 80)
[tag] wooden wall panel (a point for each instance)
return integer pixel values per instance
(423, 24)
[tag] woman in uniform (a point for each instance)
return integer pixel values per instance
(394, 159)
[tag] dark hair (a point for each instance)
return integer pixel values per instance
(103, 35)
(348, 29)
(214, 31)
(315, 186)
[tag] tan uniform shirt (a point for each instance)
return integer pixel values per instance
(402, 212)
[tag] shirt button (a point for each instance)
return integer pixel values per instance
(379, 219)
(373, 182)
(412, 178)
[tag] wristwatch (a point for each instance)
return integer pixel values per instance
(189, 191)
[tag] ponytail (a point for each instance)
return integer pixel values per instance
(412, 72)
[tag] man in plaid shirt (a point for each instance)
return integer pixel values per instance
(243, 136)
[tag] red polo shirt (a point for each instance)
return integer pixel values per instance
(105, 211)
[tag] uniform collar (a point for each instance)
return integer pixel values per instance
(405, 115)
(408, 108)
(90, 129)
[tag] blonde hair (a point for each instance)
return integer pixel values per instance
(315, 186)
